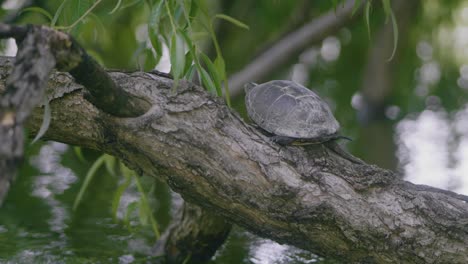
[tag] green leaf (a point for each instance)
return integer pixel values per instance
(119, 2)
(99, 27)
(72, 11)
(189, 9)
(367, 14)
(145, 209)
(188, 41)
(150, 59)
(153, 28)
(190, 72)
(395, 34)
(184, 7)
(39, 10)
(188, 62)
(131, 207)
(58, 12)
(45, 121)
(169, 12)
(357, 4)
(220, 67)
(213, 73)
(118, 195)
(79, 154)
(202, 7)
(187, 5)
(177, 56)
(191, 57)
(178, 13)
(206, 80)
(143, 215)
(157, 46)
(155, 15)
(335, 4)
(196, 36)
(78, 8)
(136, 56)
(232, 20)
(193, 9)
(187, 259)
(89, 176)
(125, 170)
(387, 9)
(109, 162)
(131, 4)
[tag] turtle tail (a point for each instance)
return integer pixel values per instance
(337, 136)
(343, 137)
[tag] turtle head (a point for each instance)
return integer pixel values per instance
(249, 86)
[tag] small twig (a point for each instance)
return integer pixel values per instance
(291, 44)
(83, 16)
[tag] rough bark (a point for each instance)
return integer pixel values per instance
(103, 92)
(308, 197)
(41, 49)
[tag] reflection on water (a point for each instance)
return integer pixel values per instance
(54, 181)
(265, 251)
(433, 149)
(37, 224)
(244, 247)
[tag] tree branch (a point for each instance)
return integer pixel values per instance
(40, 50)
(291, 45)
(308, 197)
(104, 93)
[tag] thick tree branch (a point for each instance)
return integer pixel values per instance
(308, 197)
(40, 50)
(104, 93)
(291, 45)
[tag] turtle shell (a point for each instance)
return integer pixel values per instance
(285, 108)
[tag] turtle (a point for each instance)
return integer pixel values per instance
(292, 114)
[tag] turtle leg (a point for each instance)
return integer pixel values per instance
(282, 140)
(263, 131)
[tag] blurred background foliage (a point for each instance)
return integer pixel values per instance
(408, 114)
